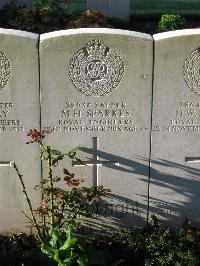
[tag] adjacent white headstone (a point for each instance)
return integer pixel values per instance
(175, 179)
(96, 89)
(111, 8)
(19, 111)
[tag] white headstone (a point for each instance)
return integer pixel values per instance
(96, 89)
(111, 8)
(175, 182)
(19, 111)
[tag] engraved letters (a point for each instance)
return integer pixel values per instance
(7, 123)
(97, 117)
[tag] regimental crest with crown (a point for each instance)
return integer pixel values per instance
(96, 70)
(191, 71)
(4, 70)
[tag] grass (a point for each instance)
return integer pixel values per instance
(151, 7)
(159, 7)
(77, 5)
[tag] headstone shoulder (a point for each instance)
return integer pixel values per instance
(104, 31)
(19, 33)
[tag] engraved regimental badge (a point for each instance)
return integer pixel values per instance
(192, 71)
(4, 70)
(96, 70)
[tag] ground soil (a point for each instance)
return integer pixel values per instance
(146, 25)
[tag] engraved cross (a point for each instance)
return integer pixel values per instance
(192, 159)
(95, 162)
(6, 164)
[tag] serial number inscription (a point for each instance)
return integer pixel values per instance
(189, 104)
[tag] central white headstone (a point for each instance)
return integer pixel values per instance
(96, 93)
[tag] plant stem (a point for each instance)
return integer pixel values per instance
(35, 224)
(62, 214)
(51, 184)
(44, 226)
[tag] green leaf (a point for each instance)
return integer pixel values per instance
(65, 263)
(73, 241)
(59, 158)
(53, 240)
(55, 153)
(73, 152)
(49, 251)
(68, 230)
(68, 260)
(69, 243)
(71, 155)
(56, 255)
(82, 261)
(56, 179)
(55, 235)
(69, 263)
(44, 181)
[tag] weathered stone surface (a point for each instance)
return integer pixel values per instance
(19, 111)
(111, 8)
(96, 93)
(175, 183)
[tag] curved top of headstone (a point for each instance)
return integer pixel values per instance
(176, 33)
(60, 33)
(19, 33)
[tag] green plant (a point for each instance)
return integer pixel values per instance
(162, 246)
(59, 212)
(89, 18)
(156, 245)
(60, 207)
(65, 248)
(48, 4)
(69, 249)
(171, 22)
(47, 15)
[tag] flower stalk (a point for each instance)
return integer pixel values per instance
(35, 224)
(51, 185)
